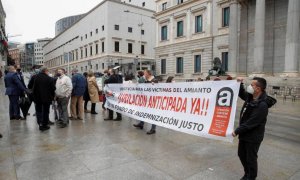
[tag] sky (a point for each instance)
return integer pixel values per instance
(35, 19)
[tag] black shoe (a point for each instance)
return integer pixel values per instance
(138, 126)
(108, 119)
(118, 119)
(94, 113)
(12, 118)
(44, 128)
(20, 118)
(50, 123)
(72, 118)
(1, 136)
(63, 125)
(151, 132)
(244, 177)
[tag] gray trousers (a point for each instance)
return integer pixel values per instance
(62, 107)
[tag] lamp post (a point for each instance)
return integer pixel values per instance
(140, 25)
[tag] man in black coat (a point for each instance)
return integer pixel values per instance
(113, 79)
(253, 119)
(43, 93)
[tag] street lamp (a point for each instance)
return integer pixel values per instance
(140, 25)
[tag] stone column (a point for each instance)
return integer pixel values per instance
(292, 38)
(233, 38)
(259, 36)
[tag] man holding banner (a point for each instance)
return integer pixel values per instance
(253, 119)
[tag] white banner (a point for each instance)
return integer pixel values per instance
(204, 109)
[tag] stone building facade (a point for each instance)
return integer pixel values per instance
(111, 34)
(251, 37)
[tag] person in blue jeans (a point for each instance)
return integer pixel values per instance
(14, 89)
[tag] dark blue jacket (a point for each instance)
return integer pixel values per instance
(13, 84)
(79, 84)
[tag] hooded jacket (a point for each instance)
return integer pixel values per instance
(253, 116)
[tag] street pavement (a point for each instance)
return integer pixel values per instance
(96, 149)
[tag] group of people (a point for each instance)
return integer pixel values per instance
(44, 90)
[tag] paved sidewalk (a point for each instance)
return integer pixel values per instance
(95, 149)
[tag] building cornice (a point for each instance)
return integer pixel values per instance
(178, 6)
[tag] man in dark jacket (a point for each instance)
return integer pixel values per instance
(113, 79)
(79, 85)
(43, 93)
(14, 89)
(251, 129)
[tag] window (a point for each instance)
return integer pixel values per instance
(96, 31)
(103, 28)
(86, 52)
(163, 66)
(179, 65)
(226, 13)
(164, 6)
(81, 38)
(142, 31)
(198, 23)
(102, 46)
(91, 50)
(81, 53)
(81, 69)
(225, 61)
(91, 33)
(179, 1)
(102, 65)
(96, 66)
(130, 29)
(179, 28)
(197, 64)
(142, 49)
(76, 55)
(143, 4)
(85, 68)
(117, 46)
(97, 49)
(85, 36)
(129, 47)
(164, 33)
(117, 27)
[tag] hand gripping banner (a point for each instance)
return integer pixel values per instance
(205, 109)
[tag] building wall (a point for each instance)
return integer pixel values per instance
(15, 55)
(65, 23)
(149, 4)
(39, 51)
(275, 36)
(83, 34)
(210, 43)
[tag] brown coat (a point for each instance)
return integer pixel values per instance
(93, 89)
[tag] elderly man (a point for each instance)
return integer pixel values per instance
(43, 93)
(79, 86)
(63, 93)
(14, 89)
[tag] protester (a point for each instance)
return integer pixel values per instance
(104, 78)
(43, 95)
(251, 128)
(63, 92)
(128, 79)
(14, 89)
(113, 79)
(86, 95)
(199, 79)
(93, 91)
(79, 85)
(140, 77)
(148, 79)
(20, 75)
